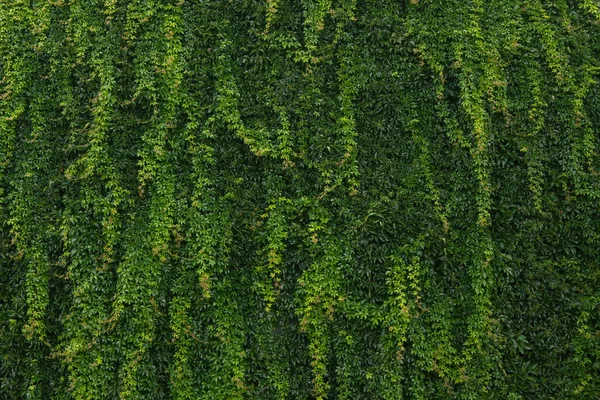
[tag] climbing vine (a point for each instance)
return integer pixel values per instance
(315, 199)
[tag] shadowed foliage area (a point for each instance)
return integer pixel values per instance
(299, 199)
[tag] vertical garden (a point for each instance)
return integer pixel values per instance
(299, 199)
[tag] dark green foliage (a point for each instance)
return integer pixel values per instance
(308, 199)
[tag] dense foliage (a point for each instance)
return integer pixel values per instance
(299, 199)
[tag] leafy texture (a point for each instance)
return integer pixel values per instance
(308, 199)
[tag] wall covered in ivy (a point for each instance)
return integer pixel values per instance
(299, 199)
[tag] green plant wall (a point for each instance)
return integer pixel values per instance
(299, 199)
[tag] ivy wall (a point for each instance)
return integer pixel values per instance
(299, 199)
